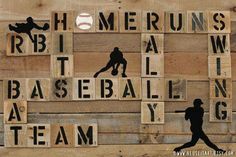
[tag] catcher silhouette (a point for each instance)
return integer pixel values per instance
(116, 58)
(27, 27)
(195, 115)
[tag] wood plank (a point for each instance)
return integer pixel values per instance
(186, 65)
(233, 37)
(131, 42)
(25, 67)
(83, 68)
(182, 5)
(18, 10)
(93, 4)
(195, 89)
(41, 10)
(136, 138)
(84, 106)
(95, 42)
(172, 43)
(158, 150)
(131, 123)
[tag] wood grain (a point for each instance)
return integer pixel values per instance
(131, 123)
(106, 42)
(131, 43)
(157, 138)
(196, 89)
(159, 150)
(116, 128)
(41, 9)
(191, 66)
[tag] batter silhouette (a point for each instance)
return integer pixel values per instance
(27, 27)
(116, 58)
(195, 115)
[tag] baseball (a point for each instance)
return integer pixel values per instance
(84, 21)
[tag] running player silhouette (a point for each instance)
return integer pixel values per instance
(27, 27)
(195, 114)
(116, 58)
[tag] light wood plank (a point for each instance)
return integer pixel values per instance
(159, 150)
(130, 42)
(95, 42)
(136, 138)
(83, 68)
(41, 10)
(194, 88)
(131, 123)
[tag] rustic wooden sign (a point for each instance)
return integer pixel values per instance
(152, 86)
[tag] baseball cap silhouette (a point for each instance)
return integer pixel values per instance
(197, 101)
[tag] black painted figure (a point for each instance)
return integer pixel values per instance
(116, 58)
(195, 115)
(27, 27)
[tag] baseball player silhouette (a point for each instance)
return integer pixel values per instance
(195, 115)
(27, 27)
(116, 58)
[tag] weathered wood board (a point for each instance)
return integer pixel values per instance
(162, 150)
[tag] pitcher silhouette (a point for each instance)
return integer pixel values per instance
(195, 114)
(27, 27)
(116, 58)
